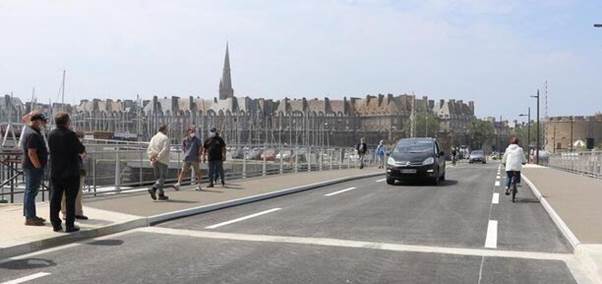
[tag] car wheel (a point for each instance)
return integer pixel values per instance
(390, 181)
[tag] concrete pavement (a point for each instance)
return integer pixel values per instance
(120, 212)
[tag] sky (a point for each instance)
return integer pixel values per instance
(496, 53)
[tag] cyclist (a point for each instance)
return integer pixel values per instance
(454, 154)
(513, 160)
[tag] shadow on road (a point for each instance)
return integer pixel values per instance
(105, 243)
(28, 263)
(448, 182)
(527, 200)
(178, 201)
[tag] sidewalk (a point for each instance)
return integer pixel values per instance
(574, 204)
(121, 212)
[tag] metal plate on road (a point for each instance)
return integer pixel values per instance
(408, 171)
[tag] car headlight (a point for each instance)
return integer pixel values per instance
(429, 161)
(391, 161)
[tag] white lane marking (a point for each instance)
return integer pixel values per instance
(242, 218)
(381, 180)
(27, 278)
(495, 199)
(356, 244)
(497, 183)
(497, 177)
(491, 239)
(340, 191)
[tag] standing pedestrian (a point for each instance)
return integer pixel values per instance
(35, 157)
(214, 150)
(158, 155)
(79, 208)
(381, 151)
(362, 149)
(192, 147)
(65, 151)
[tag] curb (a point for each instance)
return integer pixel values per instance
(566, 231)
(9, 252)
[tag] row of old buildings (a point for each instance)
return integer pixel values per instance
(241, 119)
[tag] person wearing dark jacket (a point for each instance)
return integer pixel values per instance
(362, 150)
(65, 150)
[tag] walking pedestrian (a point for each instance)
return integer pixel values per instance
(79, 209)
(65, 151)
(35, 157)
(214, 150)
(381, 151)
(362, 149)
(192, 147)
(513, 160)
(158, 155)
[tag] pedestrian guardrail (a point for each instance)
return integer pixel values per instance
(587, 163)
(120, 167)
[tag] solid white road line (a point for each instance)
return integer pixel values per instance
(340, 191)
(497, 183)
(381, 180)
(491, 239)
(495, 199)
(242, 218)
(355, 244)
(27, 278)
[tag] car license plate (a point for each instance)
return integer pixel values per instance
(408, 171)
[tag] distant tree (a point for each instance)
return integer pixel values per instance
(480, 132)
(427, 125)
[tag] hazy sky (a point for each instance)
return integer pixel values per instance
(496, 53)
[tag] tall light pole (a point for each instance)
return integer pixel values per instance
(528, 115)
(537, 149)
(597, 25)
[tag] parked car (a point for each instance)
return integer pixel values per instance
(253, 154)
(284, 155)
(477, 156)
(268, 154)
(416, 158)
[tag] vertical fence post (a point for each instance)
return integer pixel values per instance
(263, 166)
(320, 160)
(117, 171)
(296, 160)
(330, 158)
(93, 160)
(308, 156)
(244, 164)
(281, 162)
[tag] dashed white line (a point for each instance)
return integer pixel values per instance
(491, 239)
(498, 177)
(242, 218)
(340, 191)
(497, 183)
(495, 199)
(27, 278)
(381, 180)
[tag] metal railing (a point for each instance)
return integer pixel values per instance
(120, 167)
(587, 163)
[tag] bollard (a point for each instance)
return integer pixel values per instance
(320, 161)
(308, 159)
(330, 162)
(94, 175)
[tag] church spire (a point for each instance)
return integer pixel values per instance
(225, 84)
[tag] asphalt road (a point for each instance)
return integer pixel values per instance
(363, 231)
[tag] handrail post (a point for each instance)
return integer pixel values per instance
(117, 172)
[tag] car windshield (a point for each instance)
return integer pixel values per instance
(477, 152)
(416, 146)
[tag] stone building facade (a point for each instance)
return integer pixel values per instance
(562, 132)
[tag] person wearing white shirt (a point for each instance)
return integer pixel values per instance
(513, 160)
(158, 155)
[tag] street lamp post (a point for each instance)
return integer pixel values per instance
(597, 25)
(537, 149)
(528, 115)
